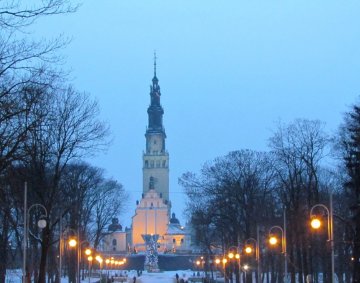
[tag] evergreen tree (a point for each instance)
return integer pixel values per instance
(350, 143)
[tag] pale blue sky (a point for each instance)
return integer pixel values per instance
(228, 70)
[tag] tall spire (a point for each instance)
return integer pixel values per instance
(155, 79)
(155, 63)
(155, 111)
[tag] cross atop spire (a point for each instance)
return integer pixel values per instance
(155, 63)
(155, 79)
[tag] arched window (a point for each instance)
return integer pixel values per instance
(174, 241)
(114, 242)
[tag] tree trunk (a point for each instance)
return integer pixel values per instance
(3, 252)
(4, 249)
(44, 253)
(356, 254)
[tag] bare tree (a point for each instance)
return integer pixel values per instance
(110, 202)
(69, 129)
(231, 196)
(298, 148)
(89, 202)
(15, 14)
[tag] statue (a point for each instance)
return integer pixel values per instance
(151, 256)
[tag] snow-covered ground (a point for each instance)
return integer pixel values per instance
(14, 276)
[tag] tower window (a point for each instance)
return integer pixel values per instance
(146, 163)
(158, 163)
(152, 163)
(114, 242)
(164, 163)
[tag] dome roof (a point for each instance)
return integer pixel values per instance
(115, 226)
(173, 219)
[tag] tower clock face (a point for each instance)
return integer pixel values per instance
(156, 144)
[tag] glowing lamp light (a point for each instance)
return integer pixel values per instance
(88, 251)
(273, 240)
(90, 258)
(246, 267)
(237, 256)
(72, 243)
(217, 261)
(107, 261)
(99, 259)
(224, 261)
(315, 223)
(231, 255)
(198, 262)
(248, 250)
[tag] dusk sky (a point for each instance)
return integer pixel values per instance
(228, 71)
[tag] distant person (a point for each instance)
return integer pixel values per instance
(134, 279)
(177, 278)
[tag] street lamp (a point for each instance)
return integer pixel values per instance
(41, 224)
(316, 224)
(79, 257)
(72, 243)
(246, 268)
(90, 259)
(224, 261)
(249, 250)
(88, 253)
(236, 255)
(273, 240)
(100, 260)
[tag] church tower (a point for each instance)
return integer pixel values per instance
(155, 157)
(153, 210)
(151, 222)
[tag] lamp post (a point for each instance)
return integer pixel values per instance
(41, 224)
(316, 224)
(217, 261)
(90, 258)
(88, 253)
(236, 255)
(273, 241)
(246, 268)
(249, 250)
(100, 260)
(72, 243)
(78, 261)
(224, 261)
